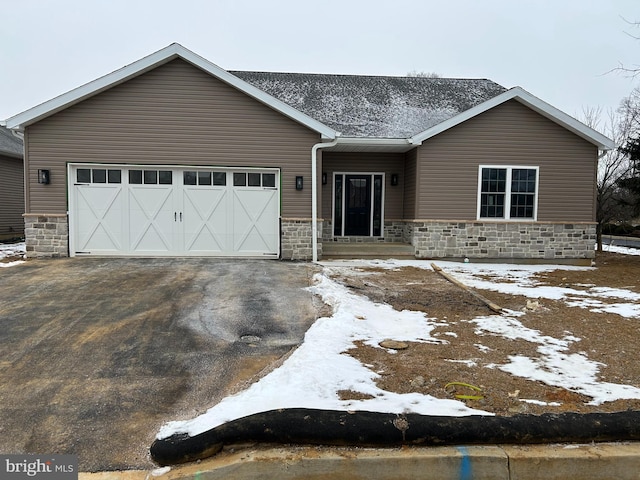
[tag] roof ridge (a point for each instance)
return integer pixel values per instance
(361, 75)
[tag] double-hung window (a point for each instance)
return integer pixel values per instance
(507, 193)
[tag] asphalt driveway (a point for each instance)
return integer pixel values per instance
(96, 354)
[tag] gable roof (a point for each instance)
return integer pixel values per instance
(148, 63)
(398, 112)
(520, 95)
(371, 106)
(10, 145)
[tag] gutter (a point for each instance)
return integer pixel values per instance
(314, 194)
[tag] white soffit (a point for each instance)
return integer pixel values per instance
(148, 63)
(534, 103)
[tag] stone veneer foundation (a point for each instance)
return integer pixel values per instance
(295, 239)
(502, 240)
(46, 235)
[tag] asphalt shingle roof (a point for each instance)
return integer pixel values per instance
(9, 143)
(371, 106)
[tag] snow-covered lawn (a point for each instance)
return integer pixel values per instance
(623, 250)
(11, 250)
(314, 374)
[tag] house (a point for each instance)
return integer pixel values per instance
(172, 155)
(11, 185)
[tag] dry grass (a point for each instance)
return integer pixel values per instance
(465, 356)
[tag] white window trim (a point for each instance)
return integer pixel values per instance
(507, 200)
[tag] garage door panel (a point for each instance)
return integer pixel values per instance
(152, 218)
(253, 221)
(99, 213)
(205, 219)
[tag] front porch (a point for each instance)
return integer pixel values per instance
(367, 250)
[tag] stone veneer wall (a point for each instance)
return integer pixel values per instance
(46, 235)
(503, 240)
(295, 239)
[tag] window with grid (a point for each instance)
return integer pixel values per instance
(507, 192)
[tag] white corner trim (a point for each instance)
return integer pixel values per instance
(524, 97)
(150, 62)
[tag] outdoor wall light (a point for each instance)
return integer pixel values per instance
(324, 178)
(43, 176)
(299, 183)
(394, 179)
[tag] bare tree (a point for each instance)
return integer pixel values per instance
(614, 165)
(633, 70)
(415, 73)
(630, 147)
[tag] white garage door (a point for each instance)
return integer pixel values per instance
(123, 210)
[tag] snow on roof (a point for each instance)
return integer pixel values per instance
(373, 106)
(9, 143)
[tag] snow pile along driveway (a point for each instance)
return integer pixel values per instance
(318, 369)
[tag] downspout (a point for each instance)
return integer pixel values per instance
(314, 194)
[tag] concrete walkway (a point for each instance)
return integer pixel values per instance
(619, 461)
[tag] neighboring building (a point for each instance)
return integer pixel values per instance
(173, 155)
(11, 185)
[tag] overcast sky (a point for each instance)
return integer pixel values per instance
(558, 50)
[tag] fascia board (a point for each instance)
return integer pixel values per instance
(92, 88)
(150, 62)
(372, 141)
(524, 97)
(11, 154)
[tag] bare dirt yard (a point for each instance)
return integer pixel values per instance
(467, 356)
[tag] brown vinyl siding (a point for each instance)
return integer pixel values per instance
(410, 185)
(348, 162)
(509, 134)
(11, 196)
(175, 114)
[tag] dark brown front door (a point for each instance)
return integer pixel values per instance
(357, 205)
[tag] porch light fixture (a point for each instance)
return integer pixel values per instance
(299, 183)
(43, 176)
(324, 178)
(394, 179)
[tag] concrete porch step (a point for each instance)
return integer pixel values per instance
(339, 250)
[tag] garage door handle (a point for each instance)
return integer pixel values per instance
(175, 216)
(180, 216)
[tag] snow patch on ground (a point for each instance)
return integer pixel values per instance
(12, 250)
(519, 280)
(314, 374)
(622, 250)
(573, 372)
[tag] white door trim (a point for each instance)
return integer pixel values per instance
(371, 215)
